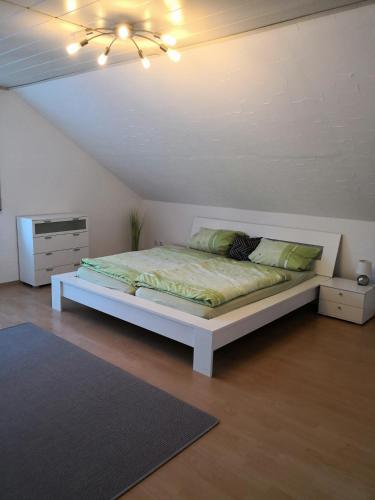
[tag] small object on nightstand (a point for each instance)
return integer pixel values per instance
(363, 280)
(364, 272)
(345, 299)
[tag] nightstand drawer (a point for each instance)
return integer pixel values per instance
(342, 311)
(342, 296)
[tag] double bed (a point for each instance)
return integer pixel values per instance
(197, 323)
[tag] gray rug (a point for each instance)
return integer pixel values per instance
(75, 427)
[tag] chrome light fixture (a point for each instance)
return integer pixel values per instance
(127, 32)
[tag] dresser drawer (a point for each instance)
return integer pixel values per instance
(342, 311)
(59, 226)
(51, 243)
(342, 296)
(59, 258)
(80, 240)
(43, 276)
(77, 254)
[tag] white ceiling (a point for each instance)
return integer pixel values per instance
(34, 33)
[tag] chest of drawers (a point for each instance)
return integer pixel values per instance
(50, 244)
(344, 299)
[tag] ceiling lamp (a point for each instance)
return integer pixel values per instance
(123, 32)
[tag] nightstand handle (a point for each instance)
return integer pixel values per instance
(339, 307)
(340, 293)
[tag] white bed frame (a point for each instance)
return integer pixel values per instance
(206, 335)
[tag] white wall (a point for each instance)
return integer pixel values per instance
(171, 222)
(42, 171)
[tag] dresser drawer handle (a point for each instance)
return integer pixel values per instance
(48, 253)
(339, 307)
(49, 269)
(75, 234)
(341, 294)
(76, 249)
(48, 237)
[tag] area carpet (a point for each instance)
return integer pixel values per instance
(73, 426)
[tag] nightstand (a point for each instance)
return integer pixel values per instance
(344, 299)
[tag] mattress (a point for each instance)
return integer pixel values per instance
(206, 312)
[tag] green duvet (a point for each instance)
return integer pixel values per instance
(202, 277)
(126, 267)
(213, 282)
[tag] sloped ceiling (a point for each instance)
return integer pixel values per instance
(278, 120)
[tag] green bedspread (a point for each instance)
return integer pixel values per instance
(127, 266)
(212, 282)
(201, 277)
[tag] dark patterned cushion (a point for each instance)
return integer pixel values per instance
(242, 247)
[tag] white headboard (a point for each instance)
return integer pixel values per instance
(328, 241)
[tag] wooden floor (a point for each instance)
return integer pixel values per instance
(296, 401)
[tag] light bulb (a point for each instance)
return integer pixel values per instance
(123, 31)
(173, 55)
(102, 59)
(146, 62)
(168, 39)
(71, 5)
(176, 16)
(72, 48)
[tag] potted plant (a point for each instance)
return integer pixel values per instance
(136, 224)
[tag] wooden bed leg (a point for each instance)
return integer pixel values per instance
(203, 353)
(57, 298)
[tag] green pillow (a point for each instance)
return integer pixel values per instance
(292, 256)
(212, 240)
